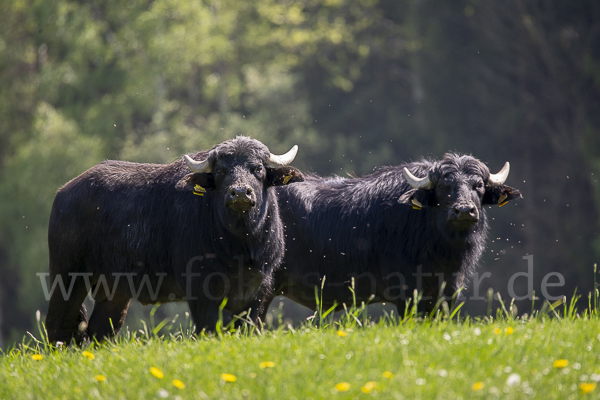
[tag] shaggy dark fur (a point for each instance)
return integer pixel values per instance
(366, 229)
(127, 230)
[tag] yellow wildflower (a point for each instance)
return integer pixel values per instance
(587, 387)
(100, 378)
(341, 333)
(560, 363)
(157, 372)
(369, 387)
(342, 386)
(477, 386)
(497, 331)
(178, 384)
(89, 355)
(228, 377)
(387, 374)
(266, 364)
(37, 357)
(509, 330)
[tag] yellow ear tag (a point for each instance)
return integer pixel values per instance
(286, 179)
(415, 204)
(502, 200)
(199, 190)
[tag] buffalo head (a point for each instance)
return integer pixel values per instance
(239, 172)
(459, 186)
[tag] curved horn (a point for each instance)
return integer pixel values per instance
(197, 166)
(499, 178)
(284, 159)
(417, 183)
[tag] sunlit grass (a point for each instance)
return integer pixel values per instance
(550, 355)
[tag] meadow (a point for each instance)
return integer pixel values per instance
(552, 354)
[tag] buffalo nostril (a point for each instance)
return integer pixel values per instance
(248, 191)
(465, 212)
(232, 193)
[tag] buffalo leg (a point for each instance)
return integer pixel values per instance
(261, 308)
(81, 333)
(205, 314)
(64, 312)
(108, 316)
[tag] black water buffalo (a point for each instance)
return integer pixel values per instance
(158, 233)
(399, 229)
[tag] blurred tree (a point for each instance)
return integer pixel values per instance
(503, 80)
(145, 81)
(356, 84)
(516, 84)
(56, 152)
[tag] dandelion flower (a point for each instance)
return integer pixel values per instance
(477, 386)
(178, 384)
(266, 364)
(369, 387)
(497, 331)
(228, 377)
(100, 378)
(341, 333)
(88, 355)
(157, 373)
(560, 363)
(342, 387)
(587, 387)
(37, 357)
(509, 330)
(387, 374)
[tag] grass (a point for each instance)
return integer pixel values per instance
(552, 354)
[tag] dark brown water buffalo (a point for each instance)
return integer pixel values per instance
(401, 228)
(158, 233)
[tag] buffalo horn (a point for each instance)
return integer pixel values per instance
(499, 178)
(197, 166)
(417, 183)
(284, 159)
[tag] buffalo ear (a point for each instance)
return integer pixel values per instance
(419, 198)
(500, 195)
(198, 182)
(283, 176)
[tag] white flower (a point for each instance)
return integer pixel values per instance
(513, 380)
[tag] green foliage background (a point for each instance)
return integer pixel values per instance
(356, 84)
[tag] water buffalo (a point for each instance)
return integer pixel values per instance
(401, 228)
(158, 233)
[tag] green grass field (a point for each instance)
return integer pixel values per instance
(553, 355)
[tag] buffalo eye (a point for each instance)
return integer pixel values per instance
(257, 169)
(220, 171)
(479, 186)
